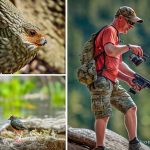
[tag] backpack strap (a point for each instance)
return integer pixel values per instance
(104, 65)
(103, 52)
(95, 39)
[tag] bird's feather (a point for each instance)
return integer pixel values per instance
(18, 125)
(18, 44)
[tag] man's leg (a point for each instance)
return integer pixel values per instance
(131, 125)
(123, 102)
(131, 122)
(100, 127)
(100, 105)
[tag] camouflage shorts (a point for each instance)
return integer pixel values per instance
(104, 94)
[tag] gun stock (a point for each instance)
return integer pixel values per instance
(141, 82)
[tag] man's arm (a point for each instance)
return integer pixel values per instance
(127, 74)
(126, 78)
(117, 50)
(124, 68)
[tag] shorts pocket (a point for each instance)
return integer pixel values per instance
(97, 103)
(102, 84)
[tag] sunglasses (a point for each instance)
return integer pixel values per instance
(130, 22)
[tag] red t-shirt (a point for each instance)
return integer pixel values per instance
(108, 35)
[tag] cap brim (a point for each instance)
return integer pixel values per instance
(137, 19)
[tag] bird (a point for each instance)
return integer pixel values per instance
(17, 124)
(20, 40)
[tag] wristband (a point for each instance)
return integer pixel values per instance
(129, 47)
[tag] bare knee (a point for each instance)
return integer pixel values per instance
(105, 119)
(132, 110)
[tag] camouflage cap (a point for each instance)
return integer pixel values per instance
(128, 13)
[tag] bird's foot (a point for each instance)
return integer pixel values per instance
(18, 140)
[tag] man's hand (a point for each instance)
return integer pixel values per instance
(136, 49)
(133, 85)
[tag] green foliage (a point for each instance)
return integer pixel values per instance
(11, 92)
(56, 92)
(14, 89)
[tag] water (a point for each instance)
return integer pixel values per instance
(34, 108)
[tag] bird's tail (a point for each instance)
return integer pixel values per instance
(30, 129)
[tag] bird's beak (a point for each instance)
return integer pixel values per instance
(42, 42)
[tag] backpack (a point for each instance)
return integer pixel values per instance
(86, 73)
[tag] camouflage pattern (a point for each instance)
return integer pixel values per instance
(104, 94)
(87, 72)
(128, 13)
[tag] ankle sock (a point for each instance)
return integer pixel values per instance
(134, 141)
(101, 147)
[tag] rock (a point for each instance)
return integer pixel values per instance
(34, 143)
(45, 134)
(84, 139)
(73, 146)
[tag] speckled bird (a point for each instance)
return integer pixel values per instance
(19, 39)
(17, 124)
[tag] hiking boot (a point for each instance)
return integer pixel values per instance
(136, 146)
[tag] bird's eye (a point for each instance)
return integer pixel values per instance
(32, 32)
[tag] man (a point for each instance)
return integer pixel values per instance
(106, 91)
